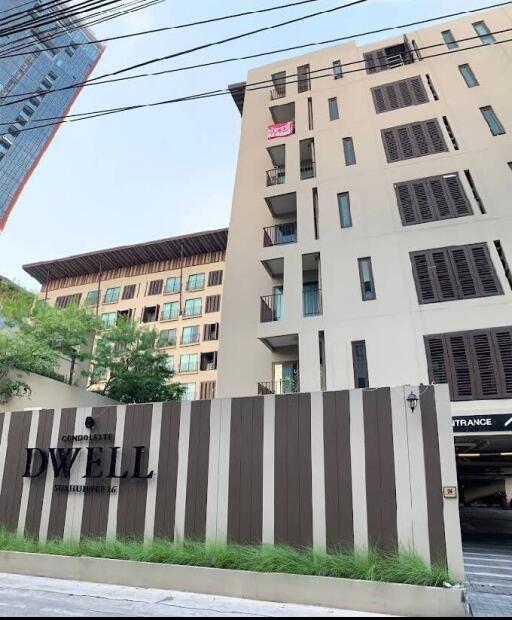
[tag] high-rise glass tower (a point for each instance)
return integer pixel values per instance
(42, 59)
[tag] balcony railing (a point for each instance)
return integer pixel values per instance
(271, 308)
(312, 303)
(283, 386)
(307, 169)
(282, 234)
(276, 176)
(277, 93)
(399, 60)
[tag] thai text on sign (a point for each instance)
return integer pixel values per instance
(281, 130)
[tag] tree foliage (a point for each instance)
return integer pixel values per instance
(36, 338)
(131, 368)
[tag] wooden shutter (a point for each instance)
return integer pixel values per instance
(485, 362)
(502, 340)
(459, 354)
(432, 199)
(370, 60)
(215, 278)
(437, 359)
(207, 390)
(413, 140)
(155, 287)
(433, 276)
(487, 278)
(391, 145)
(401, 94)
(423, 277)
(129, 292)
(443, 275)
(463, 272)
(435, 133)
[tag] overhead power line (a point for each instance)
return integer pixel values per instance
(20, 96)
(202, 22)
(217, 43)
(255, 86)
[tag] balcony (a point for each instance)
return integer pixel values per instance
(278, 93)
(312, 302)
(276, 176)
(283, 386)
(307, 169)
(282, 234)
(271, 309)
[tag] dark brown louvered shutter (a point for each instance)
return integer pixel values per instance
(370, 60)
(420, 140)
(464, 273)
(419, 91)
(391, 145)
(487, 277)
(380, 101)
(215, 278)
(437, 359)
(459, 354)
(155, 287)
(406, 94)
(440, 199)
(213, 303)
(443, 275)
(394, 102)
(382, 60)
(458, 197)
(423, 201)
(435, 133)
(485, 365)
(406, 204)
(502, 339)
(423, 278)
(405, 142)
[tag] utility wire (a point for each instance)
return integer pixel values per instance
(36, 11)
(252, 56)
(73, 118)
(216, 43)
(192, 24)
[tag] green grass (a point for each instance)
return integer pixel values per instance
(373, 566)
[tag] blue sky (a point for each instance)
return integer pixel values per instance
(166, 171)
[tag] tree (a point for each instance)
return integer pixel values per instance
(131, 368)
(37, 336)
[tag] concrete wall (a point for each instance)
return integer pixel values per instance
(394, 324)
(48, 393)
(353, 468)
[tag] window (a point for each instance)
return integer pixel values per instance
(129, 292)
(366, 277)
(349, 151)
(215, 278)
(338, 69)
(311, 115)
(456, 272)
(213, 304)
(334, 112)
(196, 282)
(190, 335)
(92, 298)
(68, 300)
(432, 199)
(150, 314)
(167, 338)
(493, 121)
(53, 76)
(193, 307)
(450, 40)
(189, 391)
(46, 84)
(413, 140)
(477, 365)
(28, 111)
(124, 315)
(484, 33)
(172, 285)
(469, 76)
(171, 311)
(388, 58)
(109, 319)
(189, 363)
(401, 94)
(344, 209)
(155, 287)
(169, 363)
(360, 364)
(211, 332)
(303, 78)
(207, 390)
(112, 296)
(209, 361)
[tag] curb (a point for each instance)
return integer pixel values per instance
(362, 596)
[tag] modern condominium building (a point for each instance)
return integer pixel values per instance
(371, 229)
(173, 286)
(34, 65)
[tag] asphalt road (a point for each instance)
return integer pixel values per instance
(37, 597)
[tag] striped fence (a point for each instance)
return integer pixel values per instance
(351, 468)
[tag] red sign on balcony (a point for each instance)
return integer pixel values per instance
(281, 130)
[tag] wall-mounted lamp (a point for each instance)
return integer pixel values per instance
(412, 399)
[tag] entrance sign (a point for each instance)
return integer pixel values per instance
(492, 423)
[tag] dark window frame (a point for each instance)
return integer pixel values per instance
(365, 375)
(360, 262)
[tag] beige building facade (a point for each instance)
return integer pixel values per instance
(371, 223)
(173, 286)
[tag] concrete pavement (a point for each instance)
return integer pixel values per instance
(35, 596)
